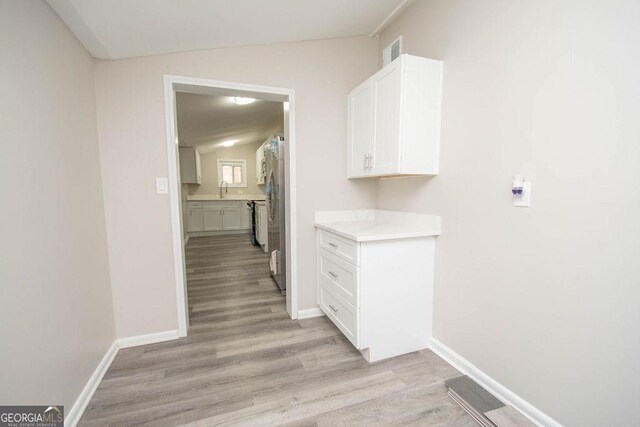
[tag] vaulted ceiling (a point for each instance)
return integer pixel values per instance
(206, 121)
(112, 29)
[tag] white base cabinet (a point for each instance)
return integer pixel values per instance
(262, 225)
(246, 216)
(212, 219)
(195, 219)
(217, 215)
(378, 293)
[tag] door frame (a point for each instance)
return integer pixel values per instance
(173, 84)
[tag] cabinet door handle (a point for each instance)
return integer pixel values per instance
(365, 162)
(333, 245)
(369, 161)
(335, 310)
(335, 276)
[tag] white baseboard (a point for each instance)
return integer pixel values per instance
(310, 312)
(148, 339)
(74, 415)
(492, 386)
(186, 239)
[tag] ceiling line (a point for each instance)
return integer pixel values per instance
(394, 13)
(69, 14)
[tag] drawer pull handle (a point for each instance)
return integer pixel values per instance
(333, 274)
(335, 310)
(333, 245)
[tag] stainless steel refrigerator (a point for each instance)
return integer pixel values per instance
(274, 189)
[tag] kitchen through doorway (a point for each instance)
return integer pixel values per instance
(232, 150)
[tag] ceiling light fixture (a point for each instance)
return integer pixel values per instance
(228, 143)
(243, 101)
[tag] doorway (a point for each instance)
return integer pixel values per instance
(179, 84)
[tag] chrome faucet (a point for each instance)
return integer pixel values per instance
(226, 189)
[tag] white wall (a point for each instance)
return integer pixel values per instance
(131, 126)
(57, 313)
(546, 299)
(209, 169)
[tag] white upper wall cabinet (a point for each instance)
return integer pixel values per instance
(261, 170)
(190, 166)
(360, 130)
(394, 120)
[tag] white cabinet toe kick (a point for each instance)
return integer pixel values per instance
(379, 293)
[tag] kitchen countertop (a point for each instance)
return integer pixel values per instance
(373, 224)
(207, 197)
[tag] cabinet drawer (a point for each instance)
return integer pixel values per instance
(341, 274)
(215, 204)
(342, 314)
(345, 249)
(194, 205)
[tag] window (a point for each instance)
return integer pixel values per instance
(233, 172)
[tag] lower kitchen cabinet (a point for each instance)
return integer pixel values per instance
(378, 293)
(195, 218)
(231, 219)
(218, 215)
(262, 226)
(212, 219)
(245, 208)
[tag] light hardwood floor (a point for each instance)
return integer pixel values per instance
(245, 362)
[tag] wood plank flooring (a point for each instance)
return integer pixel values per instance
(245, 362)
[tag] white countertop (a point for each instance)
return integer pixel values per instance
(207, 197)
(373, 224)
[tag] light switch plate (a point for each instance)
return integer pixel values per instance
(524, 201)
(162, 186)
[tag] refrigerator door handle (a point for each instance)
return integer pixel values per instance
(270, 198)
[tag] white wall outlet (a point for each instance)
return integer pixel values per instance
(523, 200)
(162, 185)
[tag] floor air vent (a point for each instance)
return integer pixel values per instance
(482, 405)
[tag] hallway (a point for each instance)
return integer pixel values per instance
(227, 275)
(245, 362)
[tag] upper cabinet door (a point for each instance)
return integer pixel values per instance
(394, 120)
(359, 138)
(190, 166)
(198, 169)
(258, 165)
(386, 88)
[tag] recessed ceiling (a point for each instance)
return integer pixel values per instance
(112, 29)
(206, 121)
